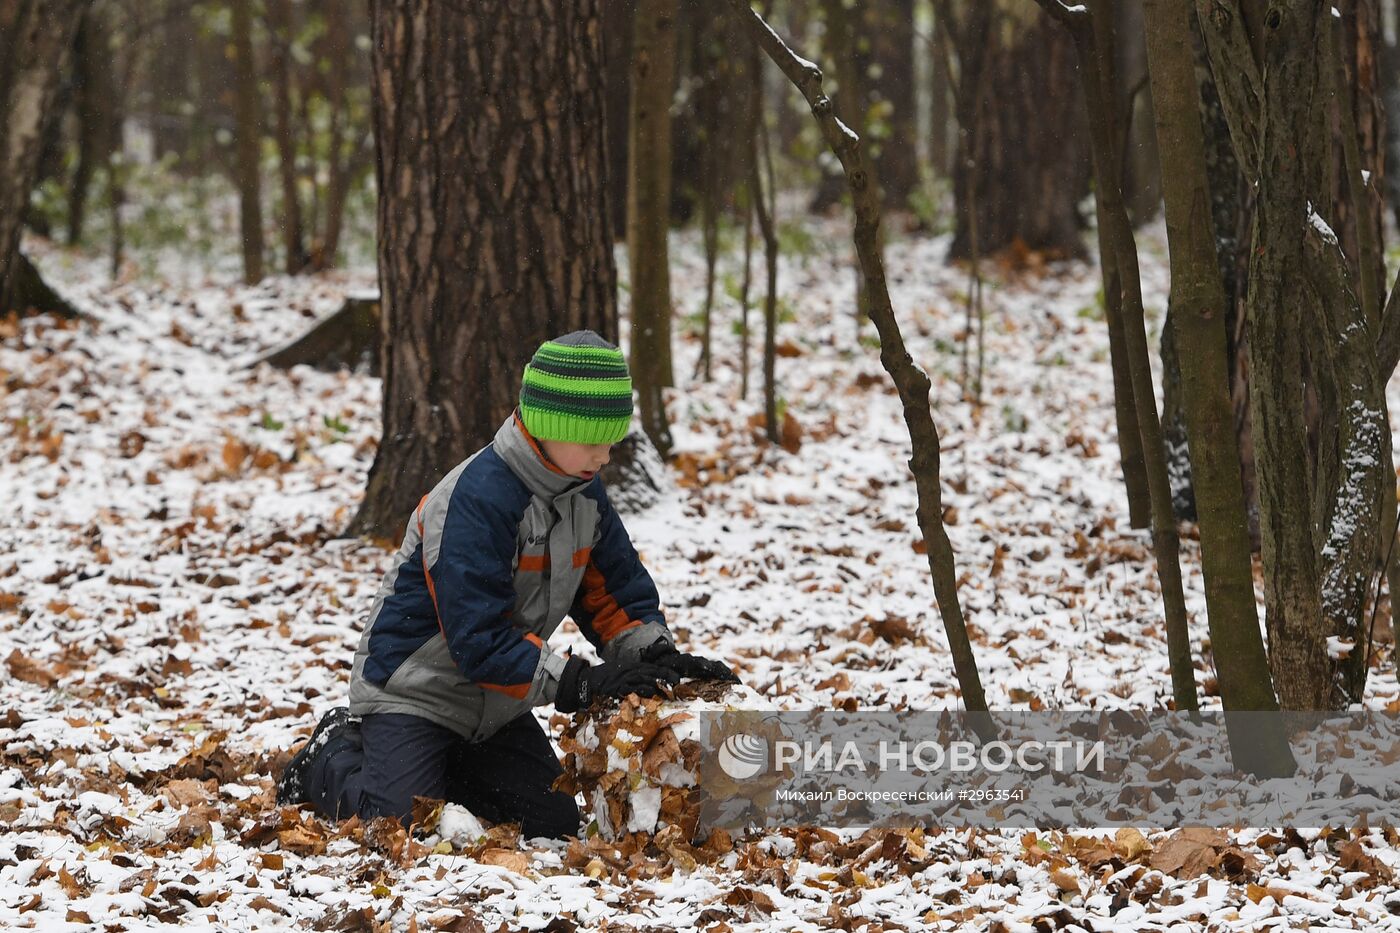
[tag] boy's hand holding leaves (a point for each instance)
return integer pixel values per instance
(580, 683)
(664, 654)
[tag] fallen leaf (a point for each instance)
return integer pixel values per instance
(517, 862)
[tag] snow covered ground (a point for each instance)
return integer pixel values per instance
(176, 612)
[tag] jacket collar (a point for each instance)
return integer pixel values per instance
(526, 460)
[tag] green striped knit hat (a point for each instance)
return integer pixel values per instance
(577, 389)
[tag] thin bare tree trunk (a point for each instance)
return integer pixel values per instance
(1091, 28)
(648, 211)
(346, 155)
(765, 207)
(279, 15)
(1198, 302)
(911, 382)
(248, 139)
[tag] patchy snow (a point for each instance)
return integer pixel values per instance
(176, 612)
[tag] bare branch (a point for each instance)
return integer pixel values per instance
(910, 381)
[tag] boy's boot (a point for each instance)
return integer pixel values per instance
(291, 788)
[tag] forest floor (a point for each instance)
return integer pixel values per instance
(176, 611)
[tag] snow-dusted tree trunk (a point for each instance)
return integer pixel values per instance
(35, 39)
(1319, 516)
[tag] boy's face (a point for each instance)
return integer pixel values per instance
(581, 460)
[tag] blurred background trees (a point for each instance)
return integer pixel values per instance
(240, 136)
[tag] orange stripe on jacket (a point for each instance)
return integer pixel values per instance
(516, 691)
(538, 563)
(609, 620)
(432, 590)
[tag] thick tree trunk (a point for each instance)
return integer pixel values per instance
(348, 338)
(1318, 521)
(279, 15)
(37, 36)
(248, 139)
(1231, 217)
(648, 211)
(1031, 168)
(1198, 306)
(494, 228)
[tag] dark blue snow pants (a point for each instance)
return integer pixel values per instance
(396, 757)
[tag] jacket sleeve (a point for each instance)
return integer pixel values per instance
(469, 557)
(617, 607)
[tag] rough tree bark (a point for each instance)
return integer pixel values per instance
(911, 382)
(1318, 521)
(1199, 303)
(1088, 26)
(37, 36)
(648, 211)
(494, 228)
(1358, 149)
(248, 137)
(1031, 169)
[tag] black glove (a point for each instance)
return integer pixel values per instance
(664, 654)
(580, 683)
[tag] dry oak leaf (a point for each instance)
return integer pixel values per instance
(1190, 853)
(1130, 843)
(513, 860)
(186, 792)
(1257, 892)
(1065, 881)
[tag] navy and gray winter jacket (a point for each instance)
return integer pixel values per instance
(493, 559)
